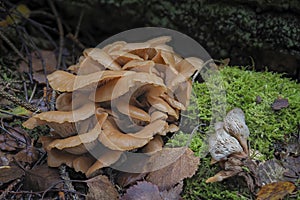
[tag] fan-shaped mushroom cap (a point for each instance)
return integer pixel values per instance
(103, 58)
(221, 145)
(183, 92)
(158, 103)
(135, 80)
(86, 65)
(66, 82)
(112, 138)
(106, 159)
(141, 64)
(156, 115)
(79, 114)
(159, 40)
(123, 57)
(77, 144)
(234, 124)
(154, 145)
(64, 102)
(118, 45)
(156, 127)
(83, 163)
(132, 111)
(55, 157)
(175, 104)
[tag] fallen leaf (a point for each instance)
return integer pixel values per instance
(10, 173)
(50, 62)
(125, 179)
(12, 141)
(27, 155)
(275, 191)
(142, 191)
(292, 165)
(41, 178)
(101, 188)
(173, 193)
(280, 103)
(20, 111)
(269, 172)
(185, 166)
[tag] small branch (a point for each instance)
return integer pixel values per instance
(12, 46)
(67, 183)
(61, 33)
(75, 40)
(9, 189)
(18, 101)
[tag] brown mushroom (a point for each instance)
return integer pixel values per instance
(123, 57)
(103, 58)
(106, 159)
(83, 163)
(154, 145)
(66, 82)
(76, 144)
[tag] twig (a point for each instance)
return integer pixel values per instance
(67, 182)
(52, 100)
(12, 46)
(75, 40)
(18, 101)
(39, 54)
(61, 33)
(25, 87)
(74, 37)
(9, 189)
(33, 92)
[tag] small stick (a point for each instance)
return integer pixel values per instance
(33, 92)
(18, 101)
(61, 33)
(12, 46)
(75, 40)
(67, 183)
(9, 189)
(25, 87)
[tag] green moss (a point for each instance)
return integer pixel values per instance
(242, 87)
(266, 126)
(196, 188)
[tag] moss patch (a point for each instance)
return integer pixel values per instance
(242, 88)
(266, 126)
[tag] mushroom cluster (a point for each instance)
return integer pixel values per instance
(123, 97)
(229, 144)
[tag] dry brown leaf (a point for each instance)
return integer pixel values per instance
(173, 193)
(10, 173)
(41, 178)
(49, 60)
(275, 191)
(125, 179)
(185, 166)
(27, 155)
(280, 103)
(142, 191)
(101, 188)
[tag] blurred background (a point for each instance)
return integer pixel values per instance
(259, 34)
